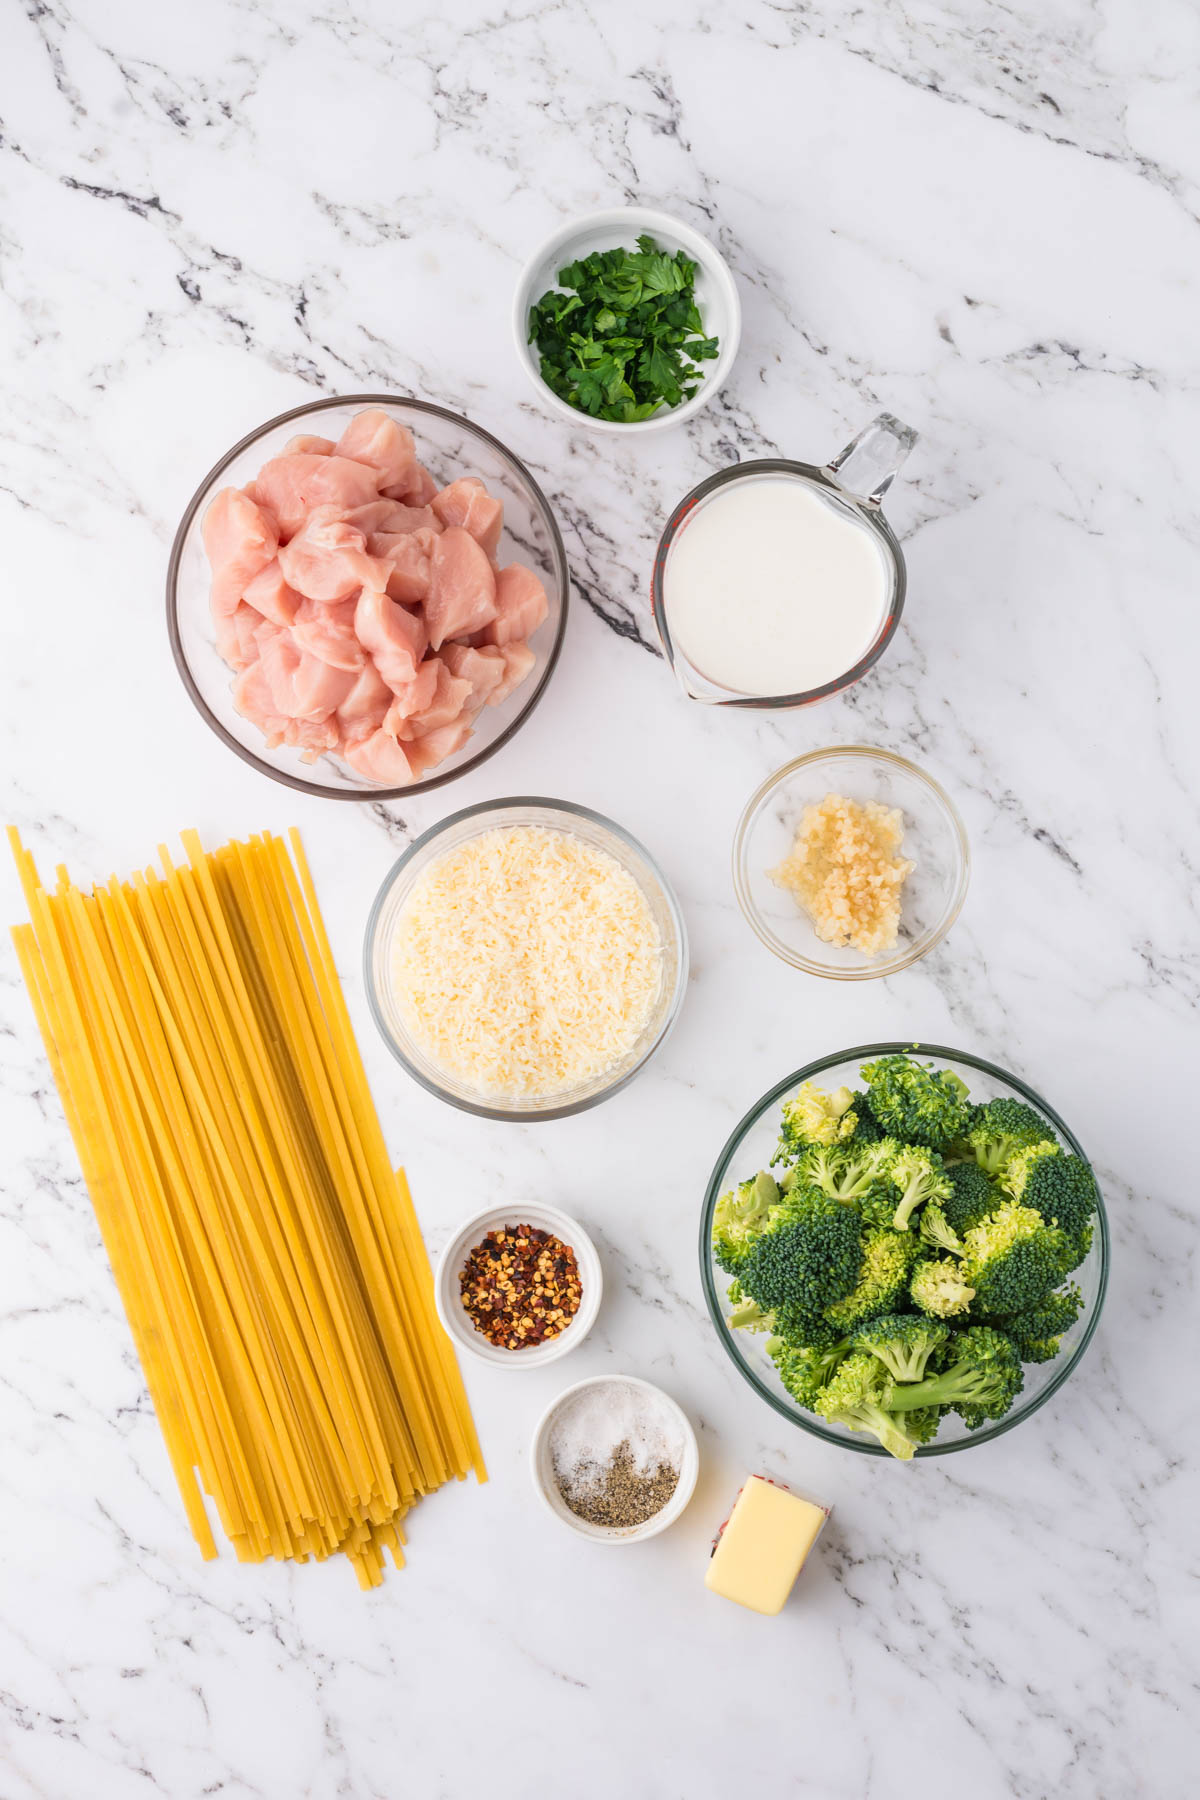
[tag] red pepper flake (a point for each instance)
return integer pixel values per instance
(520, 1286)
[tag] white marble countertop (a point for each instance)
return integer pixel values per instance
(981, 218)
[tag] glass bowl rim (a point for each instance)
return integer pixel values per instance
(790, 1409)
(873, 517)
(893, 964)
(319, 790)
(528, 1116)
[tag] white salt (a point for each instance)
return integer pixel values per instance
(590, 1427)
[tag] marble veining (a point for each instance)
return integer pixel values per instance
(981, 218)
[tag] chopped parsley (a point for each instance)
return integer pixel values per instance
(621, 335)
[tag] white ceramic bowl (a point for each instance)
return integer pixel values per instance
(542, 1467)
(448, 1297)
(620, 227)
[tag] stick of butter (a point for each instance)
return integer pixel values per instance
(763, 1545)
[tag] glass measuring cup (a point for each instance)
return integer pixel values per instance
(853, 483)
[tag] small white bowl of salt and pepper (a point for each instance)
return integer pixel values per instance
(615, 1458)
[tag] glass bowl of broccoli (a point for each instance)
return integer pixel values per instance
(904, 1249)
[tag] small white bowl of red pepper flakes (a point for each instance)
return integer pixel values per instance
(519, 1286)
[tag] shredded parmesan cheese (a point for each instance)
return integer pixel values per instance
(526, 962)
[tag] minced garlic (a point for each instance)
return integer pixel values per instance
(845, 871)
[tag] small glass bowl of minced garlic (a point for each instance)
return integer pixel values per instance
(850, 862)
(615, 1458)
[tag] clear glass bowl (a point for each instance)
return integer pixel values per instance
(751, 1147)
(449, 446)
(934, 839)
(556, 815)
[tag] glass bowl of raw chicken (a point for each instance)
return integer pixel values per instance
(366, 597)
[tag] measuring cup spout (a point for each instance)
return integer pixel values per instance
(868, 465)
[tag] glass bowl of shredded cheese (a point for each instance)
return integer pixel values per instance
(525, 958)
(850, 862)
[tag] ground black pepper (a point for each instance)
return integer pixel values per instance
(616, 1494)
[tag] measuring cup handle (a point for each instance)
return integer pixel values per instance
(868, 465)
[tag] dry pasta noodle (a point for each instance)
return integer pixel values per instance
(266, 1252)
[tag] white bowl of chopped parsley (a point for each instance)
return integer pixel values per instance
(627, 320)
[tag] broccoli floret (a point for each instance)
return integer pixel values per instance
(922, 1423)
(903, 1342)
(807, 1257)
(747, 1314)
(804, 1370)
(741, 1214)
(868, 1130)
(917, 1175)
(1078, 1245)
(852, 1397)
(1038, 1333)
(939, 1289)
(915, 1102)
(1013, 1259)
(851, 1172)
(999, 1128)
(981, 1383)
(936, 1230)
(971, 1198)
(813, 1116)
(1061, 1188)
(887, 1258)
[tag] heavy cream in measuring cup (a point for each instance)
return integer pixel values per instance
(770, 589)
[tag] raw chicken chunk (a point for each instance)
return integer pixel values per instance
(365, 706)
(521, 605)
(373, 438)
(445, 706)
(240, 539)
(380, 758)
(302, 686)
(327, 630)
(245, 622)
(290, 486)
(428, 751)
(413, 697)
(518, 661)
(396, 639)
(307, 445)
(270, 595)
(406, 556)
(253, 698)
(391, 516)
(312, 736)
(466, 502)
(417, 492)
(462, 587)
(327, 559)
(483, 668)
